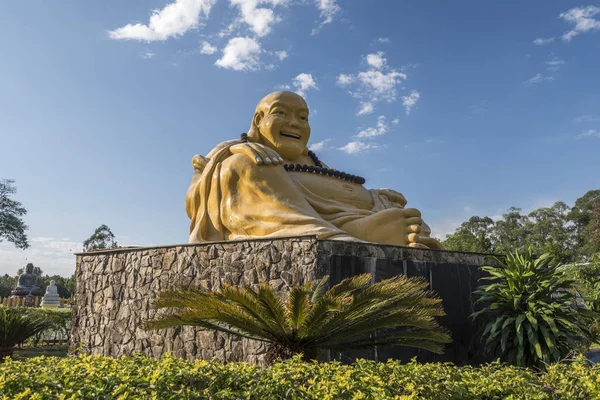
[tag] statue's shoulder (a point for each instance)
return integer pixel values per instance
(221, 146)
(199, 161)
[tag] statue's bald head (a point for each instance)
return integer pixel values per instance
(281, 122)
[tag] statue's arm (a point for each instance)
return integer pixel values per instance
(258, 153)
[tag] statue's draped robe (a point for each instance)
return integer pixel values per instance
(233, 198)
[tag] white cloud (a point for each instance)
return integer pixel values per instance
(319, 145)
(543, 41)
(229, 30)
(555, 64)
(587, 118)
(240, 54)
(303, 83)
(539, 78)
(409, 101)
(377, 83)
(357, 147)
(328, 9)
(581, 17)
(376, 60)
(173, 20)
(208, 48)
(366, 107)
(383, 40)
(395, 121)
(148, 54)
(52, 255)
(345, 79)
(282, 55)
(380, 129)
(258, 19)
(589, 133)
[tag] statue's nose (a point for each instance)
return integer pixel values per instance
(294, 123)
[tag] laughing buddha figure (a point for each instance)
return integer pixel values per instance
(268, 184)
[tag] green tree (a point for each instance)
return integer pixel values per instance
(510, 232)
(585, 215)
(102, 238)
(547, 231)
(593, 230)
(7, 283)
(312, 318)
(12, 227)
(532, 313)
(587, 280)
(474, 235)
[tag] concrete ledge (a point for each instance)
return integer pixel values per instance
(114, 289)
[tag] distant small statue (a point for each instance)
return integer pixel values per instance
(27, 284)
(51, 298)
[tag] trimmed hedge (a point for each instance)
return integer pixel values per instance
(141, 377)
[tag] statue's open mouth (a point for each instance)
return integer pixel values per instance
(290, 135)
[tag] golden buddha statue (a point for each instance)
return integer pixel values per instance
(268, 184)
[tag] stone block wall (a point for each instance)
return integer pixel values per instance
(114, 290)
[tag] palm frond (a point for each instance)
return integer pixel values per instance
(400, 309)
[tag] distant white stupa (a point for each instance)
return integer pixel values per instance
(51, 298)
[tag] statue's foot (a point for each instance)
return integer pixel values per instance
(345, 238)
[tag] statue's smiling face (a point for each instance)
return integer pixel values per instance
(283, 124)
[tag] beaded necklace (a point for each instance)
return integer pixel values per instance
(318, 168)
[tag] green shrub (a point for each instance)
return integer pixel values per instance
(311, 318)
(17, 324)
(531, 311)
(587, 280)
(141, 377)
(58, 324)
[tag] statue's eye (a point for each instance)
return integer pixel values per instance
(304, 118)
(280, 112)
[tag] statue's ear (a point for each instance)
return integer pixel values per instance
(258, 116)
(253, 133)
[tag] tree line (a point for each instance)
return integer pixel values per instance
(13, 229)
(569, 234)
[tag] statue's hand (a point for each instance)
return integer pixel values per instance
(387, 198)
(258, 153)
(393, 197)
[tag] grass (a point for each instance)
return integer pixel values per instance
(49, 351)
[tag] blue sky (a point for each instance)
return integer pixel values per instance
(466, 107)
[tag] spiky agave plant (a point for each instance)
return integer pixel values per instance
(17, 324)
(531, 311)
(311, 317)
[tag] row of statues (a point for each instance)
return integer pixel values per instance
(27, 286)
(269, 184)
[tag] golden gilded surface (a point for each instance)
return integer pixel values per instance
(241, 190)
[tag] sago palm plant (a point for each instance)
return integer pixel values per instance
(531, 311)
(17, 324)
(310, 317)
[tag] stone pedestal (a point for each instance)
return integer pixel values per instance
(115, 289)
